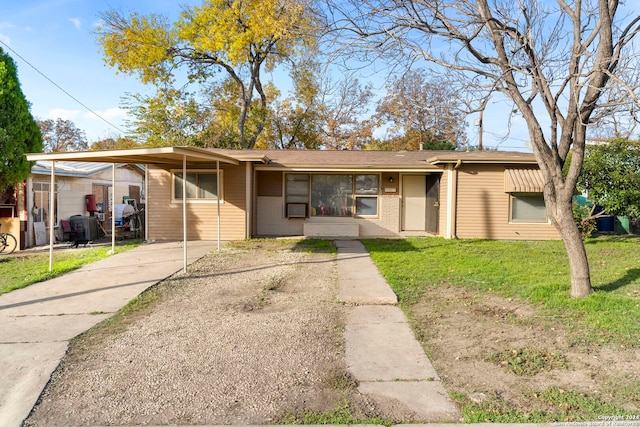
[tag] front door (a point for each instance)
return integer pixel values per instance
(414, 202)
(433, 203)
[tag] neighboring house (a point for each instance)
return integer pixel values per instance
(12, 202)
(341, 194)
(74, 182)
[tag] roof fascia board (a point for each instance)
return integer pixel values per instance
(346, 169)
(485, 162)
(46, 170)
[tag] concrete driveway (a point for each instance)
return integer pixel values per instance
(37, 322)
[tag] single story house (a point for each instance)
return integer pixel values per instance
(236, 194)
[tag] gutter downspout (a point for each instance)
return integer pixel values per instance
(452, 197)
(248, 201)
(146, 203)
(218, 198)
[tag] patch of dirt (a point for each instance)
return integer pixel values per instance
(250, 335)
(465, 333)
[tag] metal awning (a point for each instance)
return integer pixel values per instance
(161, 156)
(171, 156)
(523, 180)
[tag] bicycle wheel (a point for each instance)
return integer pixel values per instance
(8, 244)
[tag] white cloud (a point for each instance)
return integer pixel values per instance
(60, 113)
(110, 114)
(5, 39)
(76, 22)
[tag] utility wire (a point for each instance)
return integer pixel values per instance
(59, 87)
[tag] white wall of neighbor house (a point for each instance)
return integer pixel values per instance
(72, 191)
(72, 194)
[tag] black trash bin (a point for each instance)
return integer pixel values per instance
(84, 228)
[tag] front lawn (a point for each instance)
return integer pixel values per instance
(481, 308)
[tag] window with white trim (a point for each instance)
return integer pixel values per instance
(527, 207)
(200, 185)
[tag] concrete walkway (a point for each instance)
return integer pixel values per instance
(37, 322)
(381, 350)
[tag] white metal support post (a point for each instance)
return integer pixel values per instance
(184, 211)
(52, 192)
(113, 208)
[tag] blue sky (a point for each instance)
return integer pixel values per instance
(57, 38)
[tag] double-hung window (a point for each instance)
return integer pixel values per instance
(199, 186)
(366, 189)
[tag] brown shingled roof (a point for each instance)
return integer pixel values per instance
(369, 159)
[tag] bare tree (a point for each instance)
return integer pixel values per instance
(62, 135)
(422, 112)
(343, 103)
(554, 61)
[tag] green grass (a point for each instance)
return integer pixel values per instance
(19, 271)
(340, 415)
(535, 271)
(560, 406)
(527, 361)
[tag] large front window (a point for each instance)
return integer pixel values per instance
(337, 195)
(331, 195)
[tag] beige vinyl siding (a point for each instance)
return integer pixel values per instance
(483, 208)
(442, 213)
(165, 215)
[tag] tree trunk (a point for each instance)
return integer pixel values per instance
(576, 252)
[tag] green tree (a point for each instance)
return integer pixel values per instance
(295, 121)
(113, 143)
(243, 40)
(421, 113)
(62, 135)
(555, 62)
(171, 117)
(19, 132)
(611, 176)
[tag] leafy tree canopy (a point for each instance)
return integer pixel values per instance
(611, 176)
(113, 143)
(19, 133)
(240, 40)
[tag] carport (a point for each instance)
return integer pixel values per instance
(163, 156)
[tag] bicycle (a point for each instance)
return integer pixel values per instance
(8, 243)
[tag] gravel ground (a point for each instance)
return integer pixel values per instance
(248, 336)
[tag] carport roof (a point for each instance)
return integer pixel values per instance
(169, 156)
